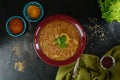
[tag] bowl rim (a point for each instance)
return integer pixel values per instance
(27, 16)
(7, 26)
(59, 17)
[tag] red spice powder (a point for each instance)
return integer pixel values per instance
(107, 62)
(16, 26)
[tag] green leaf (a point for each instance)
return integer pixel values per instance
(61, 41)
(63, 45)
(110, 10)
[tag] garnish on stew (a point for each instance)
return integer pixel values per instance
(62, 40)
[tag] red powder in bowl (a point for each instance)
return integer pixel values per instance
(107, 62)
(16, 26)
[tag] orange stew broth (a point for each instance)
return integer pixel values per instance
(50, 32)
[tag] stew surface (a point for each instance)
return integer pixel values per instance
(53, 31)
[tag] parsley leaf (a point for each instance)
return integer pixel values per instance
(61, 41)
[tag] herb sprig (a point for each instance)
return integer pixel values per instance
(61, 41)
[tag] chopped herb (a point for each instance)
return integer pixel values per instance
(63, 45)
(61, 41)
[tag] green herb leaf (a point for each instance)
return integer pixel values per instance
(61, 41)
(63, 45)
(110, 10)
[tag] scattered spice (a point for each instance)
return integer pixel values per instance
(92, 20)
(16, 51)
(19, 66)
(98, 31)
(95, 31)
(16, 26)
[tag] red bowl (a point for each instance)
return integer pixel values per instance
(69, 19)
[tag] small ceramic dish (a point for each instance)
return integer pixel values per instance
(15, 26)
(32, 9)
(107, 62)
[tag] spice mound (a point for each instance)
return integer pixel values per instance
(33, 11)
(16, 26)
(19, 66)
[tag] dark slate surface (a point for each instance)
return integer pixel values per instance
(35, 69)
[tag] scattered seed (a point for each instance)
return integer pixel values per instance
(96, 31)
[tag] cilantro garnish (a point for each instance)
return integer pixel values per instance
(61, 41)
